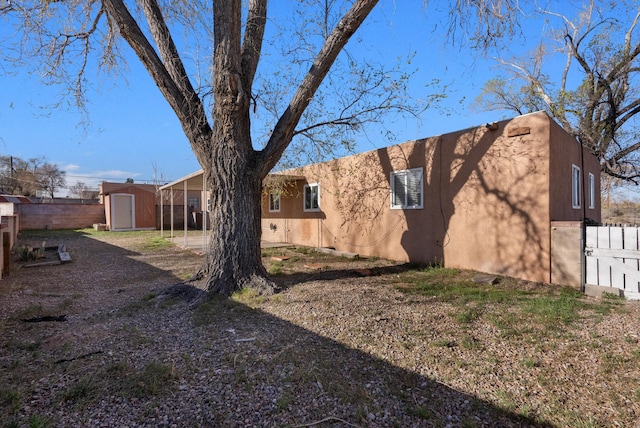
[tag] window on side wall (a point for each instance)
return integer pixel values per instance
(592, 191)
(575, 186)
(274, 202)
(194, 202)
(312, 197)
(407, 189)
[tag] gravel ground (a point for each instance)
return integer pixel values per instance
(334, 349)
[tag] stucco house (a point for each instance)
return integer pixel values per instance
(507, 198)
(486, 198)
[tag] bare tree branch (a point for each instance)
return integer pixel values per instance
(192, 117)
(167, 48)
(284, 129)
(252, 42)
(598, 112)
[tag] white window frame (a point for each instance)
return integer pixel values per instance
(576, 187)
(274, 202)
(308, 188)
(403, 175)
(592, 191)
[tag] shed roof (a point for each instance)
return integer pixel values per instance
(15, 199)
(107, 188)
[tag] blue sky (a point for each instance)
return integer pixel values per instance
(134, 132)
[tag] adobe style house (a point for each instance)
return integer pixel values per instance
(489, 199)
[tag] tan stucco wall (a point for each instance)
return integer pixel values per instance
(486, 201)
(567, 151)
(292, 222)
(566, 253)
(500, 215)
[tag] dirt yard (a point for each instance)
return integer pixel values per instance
(365, 343)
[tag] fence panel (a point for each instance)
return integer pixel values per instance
(591, 262)
(613, 258)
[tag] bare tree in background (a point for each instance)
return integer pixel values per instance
(594, 93)
(27, 177)
(51, 178)
(82, 191)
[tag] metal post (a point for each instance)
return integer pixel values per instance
(172, 213)
(161, 216)
(185, 201)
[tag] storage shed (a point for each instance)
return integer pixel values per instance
(129, 206)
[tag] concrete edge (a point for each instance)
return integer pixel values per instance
(337, 253)
(599, 290)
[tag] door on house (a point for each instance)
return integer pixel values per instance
(122, 212)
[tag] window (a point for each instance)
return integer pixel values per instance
(576, 188)
(406, 189)
(274, 202)
(592, 191)
(312, 197)
(194, 202)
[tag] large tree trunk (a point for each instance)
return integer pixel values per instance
(233, 258)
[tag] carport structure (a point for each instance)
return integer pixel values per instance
(194, 183)
(185, 190)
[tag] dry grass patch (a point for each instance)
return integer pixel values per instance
(365, 342)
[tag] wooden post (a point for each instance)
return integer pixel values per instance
(6, 252)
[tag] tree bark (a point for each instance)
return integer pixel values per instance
(233, 258)
(233, 169)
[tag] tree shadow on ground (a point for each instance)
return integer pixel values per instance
(285, 281)
(231, 365)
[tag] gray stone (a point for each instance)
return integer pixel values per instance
(483, 278)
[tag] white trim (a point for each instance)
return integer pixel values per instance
(185, 213)
(576, 187)
(304, 198)
(279, 200)
(403, 175)
(592, 191)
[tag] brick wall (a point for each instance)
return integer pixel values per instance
(60, 216)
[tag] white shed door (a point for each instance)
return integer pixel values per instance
(122, 214)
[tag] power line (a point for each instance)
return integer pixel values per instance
(116, 179)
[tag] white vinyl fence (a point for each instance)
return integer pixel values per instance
(613, 258)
